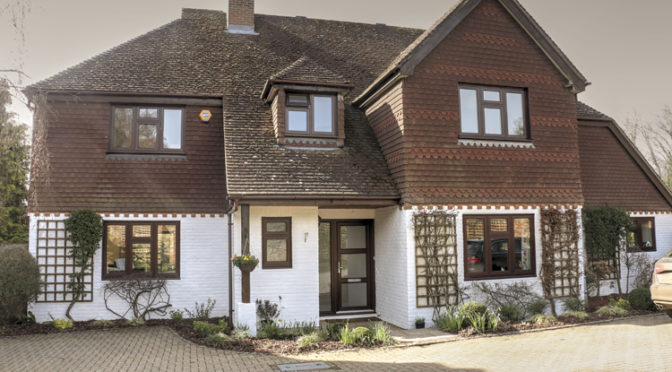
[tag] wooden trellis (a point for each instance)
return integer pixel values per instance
(435, 259)
(560, 256)
(55, 265)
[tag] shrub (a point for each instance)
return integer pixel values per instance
(452, 320)
(177, 316)
(309, 341)
(299, 328)
(484, 322)
(136, 322)
(574, 304)
(545, 319)
(334, 330)
(201, 311)
(511, 312)
(379, 334)
(537, 307)
(101, 323)
(270, 330)
(621, 302)
(240, 332)
(19, 282)
(640, 299)
(62, 324)
(217, 338)
(610, 310)
(580, 315)
(473, 307)
(267, 311)
(205, 329)
(224, 324)
(28, 318)
(356, 336)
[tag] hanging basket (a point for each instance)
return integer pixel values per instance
(247, 267)
(245, 263)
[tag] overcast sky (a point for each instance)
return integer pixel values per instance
(621, 46)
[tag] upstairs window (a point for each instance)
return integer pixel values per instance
(493, 113)
(642, 237)
(146, 130)
(311, 115)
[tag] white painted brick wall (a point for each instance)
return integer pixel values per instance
(203, 269)
(298, 286)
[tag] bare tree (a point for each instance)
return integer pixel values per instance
(13, 13)
(654, 139)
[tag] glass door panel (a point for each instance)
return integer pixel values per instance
(325, 266)
(353, 265)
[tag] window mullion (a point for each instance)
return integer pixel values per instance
(487, 247)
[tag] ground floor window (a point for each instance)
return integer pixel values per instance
(276, 236)
(498, 246)
(141, 249)
(642, 237)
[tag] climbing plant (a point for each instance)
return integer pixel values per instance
(436, 259)
(84, 230)
(560, 255)
(606, 231)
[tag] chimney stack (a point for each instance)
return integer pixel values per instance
(241, 17)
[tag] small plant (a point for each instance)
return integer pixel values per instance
(379, 334)
(537, 307)
(640, 299)
(300, 328)
(62, 324)
(578, 315)
(484, 322)
(217, 338)
(621, 302)
(334, 330)
(309, 341)
(473, 307)
(204, 329)
(244, 262)
(574, 304)
(267, 311)
(26, 319)
(240, 332)
(271, 330)
(356, 336)
(452, 320)
(545, 319)
(420, 322)
(511, 312)
(102, 323)
(201, 311)
(177, 316)
(610, 310)
(136, 322)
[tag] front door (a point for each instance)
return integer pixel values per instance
(346, 266)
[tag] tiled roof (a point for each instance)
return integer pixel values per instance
(306, 70)
(583, 111)
(195, 56)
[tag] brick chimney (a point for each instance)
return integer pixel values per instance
(241, 16)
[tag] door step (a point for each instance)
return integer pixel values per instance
(347, 315)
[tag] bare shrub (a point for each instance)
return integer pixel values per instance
(142, 297)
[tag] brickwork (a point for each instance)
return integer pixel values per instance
(241, 12)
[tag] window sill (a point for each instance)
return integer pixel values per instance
(120, 278)
(524, 144)
(498, 277)
(638, 250)
(153, 157)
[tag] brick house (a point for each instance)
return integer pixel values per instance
(324, 145)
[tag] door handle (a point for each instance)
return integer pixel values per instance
(339, 267)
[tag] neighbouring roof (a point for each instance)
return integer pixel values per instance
(613, 171)
(195, 56)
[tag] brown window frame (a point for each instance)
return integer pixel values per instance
(128, 274)
(637, 229)
(266, 235)
(487, 249)
(482, 104)
(135, 131)
(308, 108)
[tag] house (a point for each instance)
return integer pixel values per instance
(373, 169)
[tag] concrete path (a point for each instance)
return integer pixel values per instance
(637, 344)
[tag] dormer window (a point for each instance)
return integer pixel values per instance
(493, 113)
(311, 115)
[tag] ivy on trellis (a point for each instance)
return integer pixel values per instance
(436, 259)
(560, 255)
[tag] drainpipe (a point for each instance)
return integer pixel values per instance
(229, 214)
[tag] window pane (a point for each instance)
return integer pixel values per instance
(514, 110)
(142, 231)
(276, 227)
(323, 114)
(500, 254)
(325, 266)
(276, 250)
(123, 127)
(297, 99)
(142, 258)
(475, 246)
(116, 248)
(493, 121)
(150, 113)
(172, 129)
(167, 244)
(490, 95)
(354, 294)
(468, 111)
(298, 121)
(353, 265)
(353, 237)
(522, 236)
(647, 234)
(147, 136)
(499, 225)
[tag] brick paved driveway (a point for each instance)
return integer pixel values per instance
(638, 344)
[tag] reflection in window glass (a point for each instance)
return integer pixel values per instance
(493, 121)
(521, 235)
(147, 136)
(297, 121)
(276, 227)
(353, 237)
(499, 225)
(142, 258)
(500, 254)
(123, 127)
(116, 248)
(172, 129)
(514, 111)
(475, 252)
(490, 95)
(323, 114)
(148, 113)
(297, 99)
(167, 246)
(647, 234)
(276, 250)
(142, 231)
(353, 265)
(468, 111)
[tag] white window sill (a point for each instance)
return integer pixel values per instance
(493, 143)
